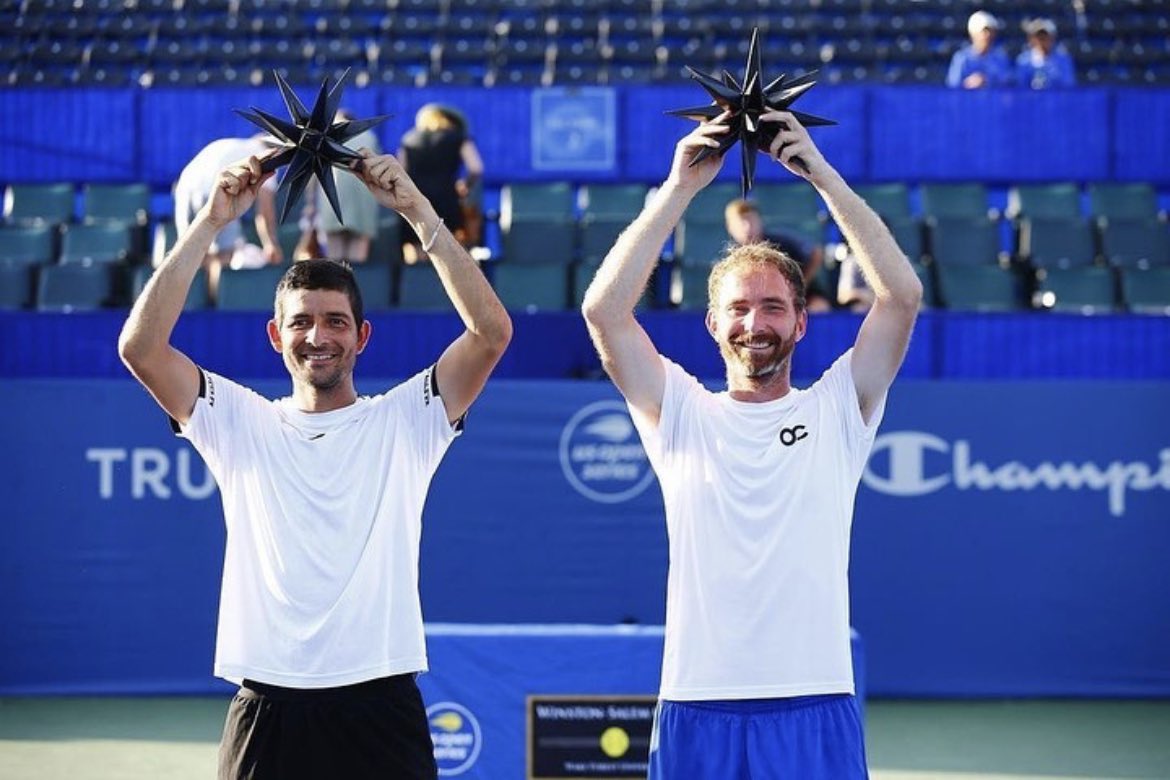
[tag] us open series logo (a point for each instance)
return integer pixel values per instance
(602, 456)
(456, 735)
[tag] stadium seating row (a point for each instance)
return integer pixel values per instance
(557, 287)
(530, 42)
(552, 236)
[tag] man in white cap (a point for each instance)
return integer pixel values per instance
(981, 63)
(1044, 63)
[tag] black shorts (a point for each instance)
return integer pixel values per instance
(375, 729)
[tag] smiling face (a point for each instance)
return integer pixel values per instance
(320, 340)
(756, 317)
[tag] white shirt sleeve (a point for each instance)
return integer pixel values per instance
(426, 417)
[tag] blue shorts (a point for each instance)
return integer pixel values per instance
(802, 738)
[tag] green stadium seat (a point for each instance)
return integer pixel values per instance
(612, 201)
(39, 203)
(908, 232)
(532, 286)
(23, 248)
(1056, 242)
(376, 281)
(76, 287)
(128, 204)
(1083, 290)
(963, 240)
(198, 297)
(249, 289)
(709, 203)
(419, 288)
(1146, 291)
(96, 243)
(787, 203)
(890, 200)
(386, 246)
(1059, 200)
(1135, 243)
(28, 244)
(700, 244)
(537, 223)
(1123, 201)
(967, 200)
(977, 288)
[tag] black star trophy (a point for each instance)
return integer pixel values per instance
(312, 143)
(745, 102)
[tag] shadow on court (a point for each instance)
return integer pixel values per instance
(176, 738)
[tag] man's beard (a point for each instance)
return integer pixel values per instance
(759, 364)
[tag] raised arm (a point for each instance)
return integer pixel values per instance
(266, 225)
(626, 352)
(144, 344)
(465, 365)
(885, 333)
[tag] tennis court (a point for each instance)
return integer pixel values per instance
(175, 738)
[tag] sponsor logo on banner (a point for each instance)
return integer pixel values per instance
(589, 736)
(150, 472)
(919, 463)
(456, 735)
(601, 455)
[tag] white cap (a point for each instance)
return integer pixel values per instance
(1034, 26)
(981, 20)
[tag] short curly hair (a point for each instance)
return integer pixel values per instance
(756, 255)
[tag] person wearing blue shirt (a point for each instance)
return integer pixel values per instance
(1044, 63)
(980, 63)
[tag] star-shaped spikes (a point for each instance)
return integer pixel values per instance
(313, 144)
(745, 103)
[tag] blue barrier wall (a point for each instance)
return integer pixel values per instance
(904, 133)
(945, 345)
(1010, 536)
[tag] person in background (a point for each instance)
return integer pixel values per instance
(745, 225)
(1044, 63)
(351, 240)
(195, 186)
(433, 153)
(982, 62)
(853, 291)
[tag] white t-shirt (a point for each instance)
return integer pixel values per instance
(759, 503)
(324, 517)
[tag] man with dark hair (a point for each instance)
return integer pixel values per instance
(320, 622)
(758, 481)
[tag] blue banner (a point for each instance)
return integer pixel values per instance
(1009, 537)
(906, 133)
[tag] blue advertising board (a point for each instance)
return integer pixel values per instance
(574, 129)
(1009, 537)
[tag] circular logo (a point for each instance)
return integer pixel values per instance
(456, 736)
(601, 455)
(615, 742)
